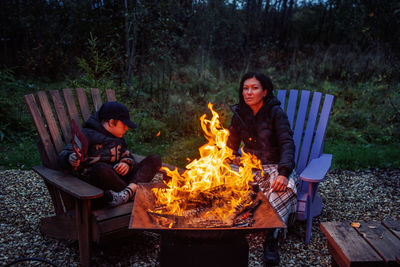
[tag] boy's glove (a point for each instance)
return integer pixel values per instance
(73, 160)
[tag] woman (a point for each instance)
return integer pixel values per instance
(263, 127)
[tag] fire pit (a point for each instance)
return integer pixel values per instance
(204, 213)
(208, 245)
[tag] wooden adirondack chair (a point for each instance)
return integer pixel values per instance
(72, 198)
(309, 133)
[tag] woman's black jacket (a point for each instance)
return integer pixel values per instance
(267, 134)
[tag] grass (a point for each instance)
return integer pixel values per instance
(351, 156)
(24, 154)
(19, 155)
(362, 134)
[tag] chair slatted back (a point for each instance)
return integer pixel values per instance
(83, 103)
(96, 98)
(49, 154)
(61, 114)
(52, 118)
(308, 122)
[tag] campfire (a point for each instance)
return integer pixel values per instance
(207, 209)
(210, 193)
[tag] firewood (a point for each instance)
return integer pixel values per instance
(246, 201)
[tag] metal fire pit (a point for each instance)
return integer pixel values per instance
(219, 246)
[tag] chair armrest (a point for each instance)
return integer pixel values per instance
(69, 184)
(317, 169)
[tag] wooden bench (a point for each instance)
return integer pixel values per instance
(370, 244)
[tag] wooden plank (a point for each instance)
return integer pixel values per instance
(83, 103)
(55, 197)
(300, 121)
(381, 240)
(291, 107)
(83, 222)
(96, 97)
(69, 184)
(110, 212)
(61, 114)
(348, 247)
(309, 133)
(68, 201)
(317, 147)
(43, 134)
(116, 223)
(59, 227)
(282, 97)
(317, 169)
(393, 226)
(51, 122)
(72, 110)
(110, 95)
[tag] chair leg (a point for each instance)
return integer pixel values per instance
(82, 209)
(309, 215)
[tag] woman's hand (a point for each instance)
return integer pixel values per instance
(121, 168)
(280, 184)
(73, 160)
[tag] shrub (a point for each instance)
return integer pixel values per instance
(15, 121)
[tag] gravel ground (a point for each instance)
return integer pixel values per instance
(370, 195)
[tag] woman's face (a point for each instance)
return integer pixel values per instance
(253, 93)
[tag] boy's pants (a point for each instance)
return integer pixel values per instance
(105, 177)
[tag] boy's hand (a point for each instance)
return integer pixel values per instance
(279, 184)
(73, 160)
(121, 168)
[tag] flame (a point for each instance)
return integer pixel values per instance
(210, 176)
(158, 134)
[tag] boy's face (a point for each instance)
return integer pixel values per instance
(117, 128)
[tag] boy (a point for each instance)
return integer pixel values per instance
(108, 164)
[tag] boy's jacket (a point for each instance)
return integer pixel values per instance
(102, 147)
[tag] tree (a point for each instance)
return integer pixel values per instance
(130, 27)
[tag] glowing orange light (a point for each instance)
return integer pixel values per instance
(210, 171)
(158, 134)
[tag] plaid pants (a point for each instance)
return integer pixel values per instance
(285, 202)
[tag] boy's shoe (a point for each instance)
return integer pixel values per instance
(271, 254)
(118, 198)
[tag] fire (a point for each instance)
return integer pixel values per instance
(208, 182)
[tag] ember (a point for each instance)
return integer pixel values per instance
(209, 193)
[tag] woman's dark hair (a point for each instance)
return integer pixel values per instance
(264, 80)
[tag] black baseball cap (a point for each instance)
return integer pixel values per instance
(116, 111)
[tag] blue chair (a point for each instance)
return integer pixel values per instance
(308, 134)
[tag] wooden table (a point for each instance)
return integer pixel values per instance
(370, 244)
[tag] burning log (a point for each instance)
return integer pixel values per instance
(245, 217)
(191, 203)
(166, 220)
(193, 212)
(247, 201)
(206, 223)
(194, 208)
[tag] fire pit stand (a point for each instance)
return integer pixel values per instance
(196, 246)
(180, 251)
